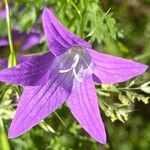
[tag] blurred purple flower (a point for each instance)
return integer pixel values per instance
(2, 13)
(3, 10)
(67, 73)
(27, 40)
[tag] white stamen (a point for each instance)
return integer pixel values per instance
(75, 63)
(76, 76)
(76, 60)
(65, 71)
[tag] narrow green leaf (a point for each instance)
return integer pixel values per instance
(71, 2)
(4, 145)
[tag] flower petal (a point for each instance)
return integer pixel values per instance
(20, 59)
(84, 106)
(31, 39)
(2, 14)
(109, 69)
(3, 63)
(38, 102)
(16, 35)
(58, 37)
(3, 42)
(30, 72)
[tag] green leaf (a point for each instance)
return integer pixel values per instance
(28, 19)
(4, 144)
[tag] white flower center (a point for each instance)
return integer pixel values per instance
(81, 66)
(75, 63)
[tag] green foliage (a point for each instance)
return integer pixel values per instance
(121, 105)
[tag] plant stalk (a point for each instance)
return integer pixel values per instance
(12, 61)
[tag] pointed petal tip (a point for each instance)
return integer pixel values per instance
(47, 15)
(142, 68)
(145, 67)
(101, 136)
(12, 134)
(111, 69)
(46, 11)
(84, 106)
(103, 140)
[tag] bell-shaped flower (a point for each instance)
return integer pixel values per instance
(66, 74)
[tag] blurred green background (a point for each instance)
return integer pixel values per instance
(116, 27)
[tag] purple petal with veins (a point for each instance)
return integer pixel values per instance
(30, 72)
(110, 69)
(31, 39)
(83, 104)
(38, 102)
(58, 37)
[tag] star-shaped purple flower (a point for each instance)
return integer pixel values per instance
(66, 74)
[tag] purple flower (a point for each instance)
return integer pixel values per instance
(27, 40)
(3, 10)
(66, 74)
(2, 13)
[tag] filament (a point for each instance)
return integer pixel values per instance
(73, 66)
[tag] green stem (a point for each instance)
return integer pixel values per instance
(128, 88)
(4, 144)
(12, 57)
(60, 118)
(124, 88)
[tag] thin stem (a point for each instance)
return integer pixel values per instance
(124, 88)
(60, 118)
(128, 88)
(9, 26)
(12, 57)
